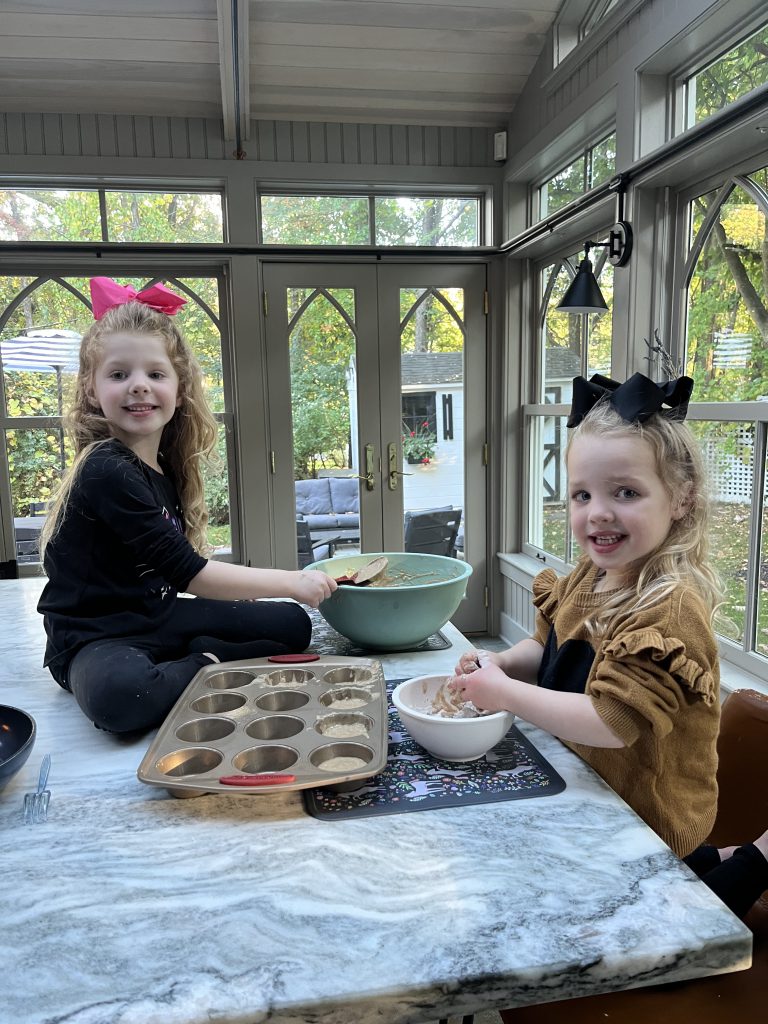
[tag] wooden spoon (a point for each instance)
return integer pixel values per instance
(365, 573)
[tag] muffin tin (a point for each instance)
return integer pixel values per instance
(264, 726)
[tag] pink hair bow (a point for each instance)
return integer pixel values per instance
(106, 294)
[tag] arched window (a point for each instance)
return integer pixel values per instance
(42, 319)
(725, 325)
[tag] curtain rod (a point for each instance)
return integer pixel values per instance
(736, 111)
(99, 249)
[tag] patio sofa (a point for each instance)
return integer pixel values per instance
(330, 504)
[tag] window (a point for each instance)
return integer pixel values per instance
(39, 364)
(389, 220)
(109, 215)
(734, 74)
(725, 326)
(595, 15)
(596, 165)
(569, 345)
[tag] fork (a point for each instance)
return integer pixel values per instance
(36, 804)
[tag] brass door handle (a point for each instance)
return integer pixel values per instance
(394, 472)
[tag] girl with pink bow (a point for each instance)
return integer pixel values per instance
(127, 531)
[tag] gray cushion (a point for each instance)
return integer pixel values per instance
(322, 522)
(345, 494)
(313, 497)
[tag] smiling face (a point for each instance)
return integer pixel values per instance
(620, 509)
(137, 389)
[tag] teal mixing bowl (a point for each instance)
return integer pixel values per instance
(422, 594)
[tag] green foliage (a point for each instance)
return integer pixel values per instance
(733, 75)
(419, 444)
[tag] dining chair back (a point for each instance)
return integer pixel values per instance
(432, 531)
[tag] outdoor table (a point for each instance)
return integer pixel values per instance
(131, 907)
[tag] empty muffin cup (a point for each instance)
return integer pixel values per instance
(189, 761)
(265, 759)
(276, 727)
(217, 703)
(287, 700)
(288, 677)
(230, 680)
(205, 730)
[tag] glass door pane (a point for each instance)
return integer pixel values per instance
(432, 384)
(324, 409)
(432, 328)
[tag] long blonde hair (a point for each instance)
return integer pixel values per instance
(683, 555)
(188, 438)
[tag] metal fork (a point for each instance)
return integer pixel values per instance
(36, 804)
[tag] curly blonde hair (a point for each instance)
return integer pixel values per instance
(188, 438)
(683, 555)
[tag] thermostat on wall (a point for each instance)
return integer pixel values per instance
(500, 146)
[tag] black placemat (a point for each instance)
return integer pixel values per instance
(413, 780)
(325, 640)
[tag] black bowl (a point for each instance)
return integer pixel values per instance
(17, 737)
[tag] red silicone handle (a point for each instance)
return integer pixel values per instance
(256, 780)
(292, 659)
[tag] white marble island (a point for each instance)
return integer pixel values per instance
(131, 907)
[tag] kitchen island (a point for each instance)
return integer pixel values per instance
(131, 907)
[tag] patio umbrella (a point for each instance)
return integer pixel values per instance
(44, 350)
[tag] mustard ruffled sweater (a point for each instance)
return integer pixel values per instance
(655, 681)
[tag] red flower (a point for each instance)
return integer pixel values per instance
(413, 433)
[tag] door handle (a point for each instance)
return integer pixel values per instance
(394, 472)
(370, 469)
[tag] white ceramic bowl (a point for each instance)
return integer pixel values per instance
(452, 739)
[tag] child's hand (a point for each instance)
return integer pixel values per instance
(470, 661)
(488, 687)
(312, 586)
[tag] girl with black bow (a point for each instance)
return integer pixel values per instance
(624, 652)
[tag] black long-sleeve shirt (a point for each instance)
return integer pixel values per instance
(118, 559)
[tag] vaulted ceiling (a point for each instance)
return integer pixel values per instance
(450, 62)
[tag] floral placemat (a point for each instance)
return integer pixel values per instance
(413, 780)
(325, 640)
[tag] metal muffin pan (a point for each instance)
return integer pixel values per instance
(288, 724)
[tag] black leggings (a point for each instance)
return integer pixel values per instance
(131, 683)
(738, 881)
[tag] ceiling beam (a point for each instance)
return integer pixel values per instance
(234, 63)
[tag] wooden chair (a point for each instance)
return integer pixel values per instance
(432, 531)
(742, 816)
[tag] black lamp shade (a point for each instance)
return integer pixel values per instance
(583, 294)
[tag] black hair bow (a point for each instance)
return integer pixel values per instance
(636, 400)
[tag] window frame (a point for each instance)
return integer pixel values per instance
(483, 197)
(743, 654)
(185, 268)
(707, 55)
(10, 184)
(585, 154)
(534, 410)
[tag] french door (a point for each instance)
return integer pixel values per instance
(378, 372)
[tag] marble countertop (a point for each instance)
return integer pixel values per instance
(131, 907)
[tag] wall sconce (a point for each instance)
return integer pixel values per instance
(583, 295)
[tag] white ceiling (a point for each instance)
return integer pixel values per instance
(454, 62)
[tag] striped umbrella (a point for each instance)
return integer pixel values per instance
(42, 351)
